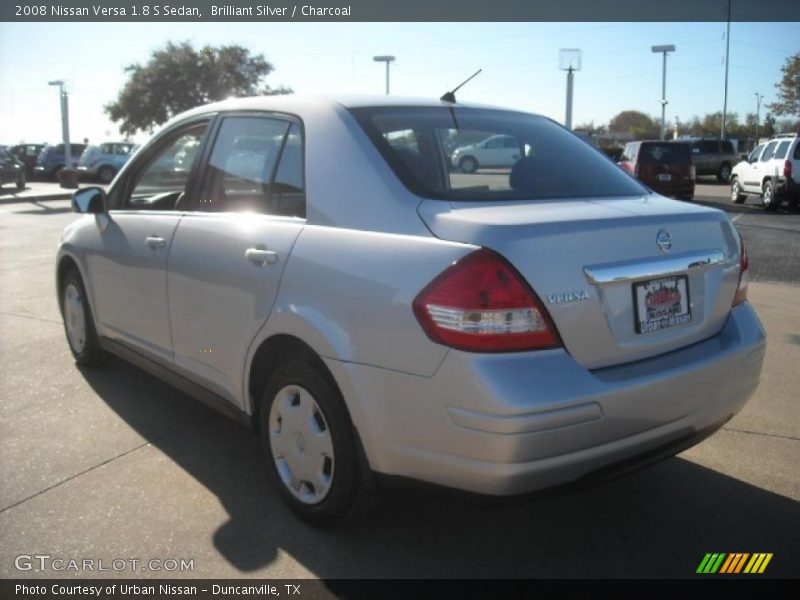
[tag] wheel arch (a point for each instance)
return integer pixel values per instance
(65, 263)
(273, 352)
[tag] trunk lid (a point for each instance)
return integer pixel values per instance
(589, 261)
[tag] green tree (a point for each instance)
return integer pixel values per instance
(636, 123)
(788, 102)
(179, 77)
(768, 128)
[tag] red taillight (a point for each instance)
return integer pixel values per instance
(741, 289)
(787, 169)
(482, 304)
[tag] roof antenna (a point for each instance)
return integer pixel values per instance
(451, 96)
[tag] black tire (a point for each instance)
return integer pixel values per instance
(21, 181)
(88, 354)
(106, 174)
(724, 173)
(736, 191)
(468, 164)
(768, 197)
(350, 493)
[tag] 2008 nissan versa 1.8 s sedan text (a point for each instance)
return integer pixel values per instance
(318, 269)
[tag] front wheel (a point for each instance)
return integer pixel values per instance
(736, 191)
(768, 198)
(78, 321)
(311, 446)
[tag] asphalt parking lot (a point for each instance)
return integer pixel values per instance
(111, 463)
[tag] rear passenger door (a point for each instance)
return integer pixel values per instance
(229, 251)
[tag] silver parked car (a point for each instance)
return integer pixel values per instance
(313, 268)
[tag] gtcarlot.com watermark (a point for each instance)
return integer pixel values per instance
(44, 563)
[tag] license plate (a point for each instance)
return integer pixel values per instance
(665, 177)
(661, 303)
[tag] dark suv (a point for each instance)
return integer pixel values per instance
(664, 167)
(11, 170)
(51, 159)
(713, 157)
(27, 155)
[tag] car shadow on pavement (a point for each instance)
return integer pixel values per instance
(658, 522)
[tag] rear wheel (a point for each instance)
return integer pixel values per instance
(724, 172)
(106, 174)
(468, 164)
(736, 191)
(768, 199)
(311, 446)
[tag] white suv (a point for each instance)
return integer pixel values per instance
(771, 171)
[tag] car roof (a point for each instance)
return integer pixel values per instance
(293, 103)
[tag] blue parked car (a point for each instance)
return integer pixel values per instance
(102, 161)
(51, 159)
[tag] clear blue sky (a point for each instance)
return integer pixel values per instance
(519, 61)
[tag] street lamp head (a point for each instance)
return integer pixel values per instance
(664, 48)
(383, 58)
(569, 59)
(56, 82)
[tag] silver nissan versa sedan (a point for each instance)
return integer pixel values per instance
(318, 269)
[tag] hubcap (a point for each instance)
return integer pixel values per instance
(74, 318)
(301, 444)
(735, 191)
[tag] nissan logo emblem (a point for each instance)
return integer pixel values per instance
(664, 240)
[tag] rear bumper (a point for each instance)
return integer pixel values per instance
(515, 423)
(684, 188)
(788, 187)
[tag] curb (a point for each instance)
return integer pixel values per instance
(20, 199)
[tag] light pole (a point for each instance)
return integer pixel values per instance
(759, 98)
(388, 59)
(727, 54)
(64, 121)
(666, 49)
(569, 60)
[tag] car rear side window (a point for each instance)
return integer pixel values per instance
(768, 151)
(256, 165)
(458, 153)
(727, 147)
(668, 153)
(782, 149)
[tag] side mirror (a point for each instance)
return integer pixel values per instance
(89, 200)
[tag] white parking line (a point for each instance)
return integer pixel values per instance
(737, 217)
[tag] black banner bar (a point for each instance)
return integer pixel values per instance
(785, 11)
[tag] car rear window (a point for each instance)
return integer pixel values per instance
(458, 153)
(668, 153)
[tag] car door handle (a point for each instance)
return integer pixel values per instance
(155, 242)
(261, 256)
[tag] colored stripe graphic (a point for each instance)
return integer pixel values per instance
(728, 564)
(734, 563)
(758, 563)
(711, 562)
